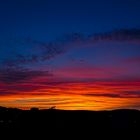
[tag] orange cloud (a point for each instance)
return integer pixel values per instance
(77, 95)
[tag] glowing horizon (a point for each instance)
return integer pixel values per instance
(78, 96)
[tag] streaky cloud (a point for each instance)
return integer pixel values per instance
(44, 51)
(20, 75)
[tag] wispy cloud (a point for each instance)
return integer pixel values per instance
(132, 60)
(126, 94)
(14, 76)
(44, 51)
(123, 35)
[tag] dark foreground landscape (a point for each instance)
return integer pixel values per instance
(58, 120)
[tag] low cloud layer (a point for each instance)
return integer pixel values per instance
(14, 76)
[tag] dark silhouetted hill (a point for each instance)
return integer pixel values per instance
(53, 120)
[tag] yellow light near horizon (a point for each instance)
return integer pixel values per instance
(67, 102)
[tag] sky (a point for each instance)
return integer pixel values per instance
(74, 55)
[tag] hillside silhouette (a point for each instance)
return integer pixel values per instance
(53, 119)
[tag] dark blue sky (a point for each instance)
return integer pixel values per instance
(50, 19)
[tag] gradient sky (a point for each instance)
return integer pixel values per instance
(70, 54)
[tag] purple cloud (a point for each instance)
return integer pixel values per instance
(13, 75)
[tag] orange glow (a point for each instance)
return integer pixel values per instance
(78, 96)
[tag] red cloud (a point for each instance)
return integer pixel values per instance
(132, 60)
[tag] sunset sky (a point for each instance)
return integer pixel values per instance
(72, 54)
